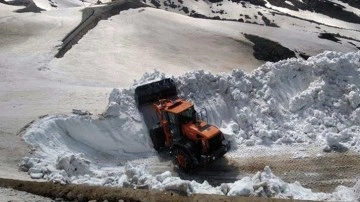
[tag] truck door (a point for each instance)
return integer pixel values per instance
(174, 125)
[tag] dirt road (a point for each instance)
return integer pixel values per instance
(12, 195)
(322, 173)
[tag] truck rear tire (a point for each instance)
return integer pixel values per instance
(157, 137)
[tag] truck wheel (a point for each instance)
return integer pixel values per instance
(183, 160)
(157, 137)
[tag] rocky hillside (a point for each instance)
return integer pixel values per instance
(261, 12)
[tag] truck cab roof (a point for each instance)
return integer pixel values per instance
(178, 106)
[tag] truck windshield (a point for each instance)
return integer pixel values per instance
(188, 115)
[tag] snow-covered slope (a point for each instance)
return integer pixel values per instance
(292, 102)
(150, 39)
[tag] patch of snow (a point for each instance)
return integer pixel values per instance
(318, 17)
(243, 187)
(354, 99)
(288, 2)
(356, 189)
(347, 7)
(63, 4)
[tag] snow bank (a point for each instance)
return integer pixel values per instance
(292, 101)
(65, 145)
(124, 135)
(288, 102)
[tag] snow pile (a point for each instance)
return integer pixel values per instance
(292, 101)
(266, 184)
(33, 166)
(74, 165)
(289, 102)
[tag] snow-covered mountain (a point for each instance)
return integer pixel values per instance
(334, 20)
(266, 12)
(271, 29)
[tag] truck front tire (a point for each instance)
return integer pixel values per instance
(183, 159)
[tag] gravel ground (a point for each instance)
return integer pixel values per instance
(12, 195)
